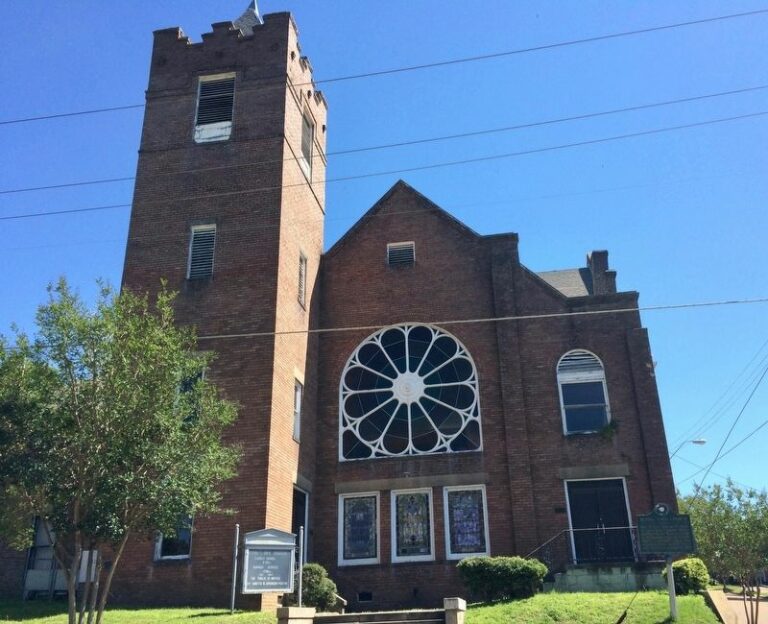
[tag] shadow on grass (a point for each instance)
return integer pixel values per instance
(31, 609)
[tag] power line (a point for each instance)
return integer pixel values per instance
(720, 453)
(73, 114)
(61, 212)
(426, 140)
(713, 420)
(465, 161)
(356, 216)
(456, 61)
(492, 319)
(539, 48)
(699, 428)
(721, 476)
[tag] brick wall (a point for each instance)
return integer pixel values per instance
(268, 210)
(266, 214)
(460, 275)
(11, 571)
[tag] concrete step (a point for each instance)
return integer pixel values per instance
(427, 616)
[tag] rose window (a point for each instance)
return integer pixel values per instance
(408, 390)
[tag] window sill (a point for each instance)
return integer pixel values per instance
(183, 560)
(420, 559)
(459, 557)
(358, 563)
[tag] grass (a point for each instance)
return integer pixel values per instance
(551, 608)
(45, 612)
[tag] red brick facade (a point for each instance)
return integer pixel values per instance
(268, 212)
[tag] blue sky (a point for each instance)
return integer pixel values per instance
(683, 213)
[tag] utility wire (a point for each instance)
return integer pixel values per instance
(487, 131)
(456, 61)
(356, 216)
(697, 429)
(539, 48)
(714, 419)
(452, 163)
(492, 319)
(61, 212)
(720, 453)
(717, 474)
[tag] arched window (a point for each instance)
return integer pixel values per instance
(583, 393)
(408, 390)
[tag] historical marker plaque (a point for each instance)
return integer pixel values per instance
(665, 533)
(269, 560)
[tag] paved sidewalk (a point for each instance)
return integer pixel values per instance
(731, 607)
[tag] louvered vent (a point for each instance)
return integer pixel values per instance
(579, 363)
(307, 137)
(216, 100)
(201, 251)
(302, 279)
(401, 254)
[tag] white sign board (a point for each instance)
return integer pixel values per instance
(269, 561)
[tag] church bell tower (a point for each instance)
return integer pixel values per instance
(228, 209)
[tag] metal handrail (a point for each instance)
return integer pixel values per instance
(555, 553)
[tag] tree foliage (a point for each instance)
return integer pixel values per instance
(731, 529)
(108, 430)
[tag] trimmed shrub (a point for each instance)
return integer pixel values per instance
(691, 575)
(493, 578)
(319, 590)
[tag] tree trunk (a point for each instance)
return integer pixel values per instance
(108, 581)
(95, 592)
(72, 582)
(87, 588)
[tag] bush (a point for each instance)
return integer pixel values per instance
(319, 590)
(493, 578)
(690, 574)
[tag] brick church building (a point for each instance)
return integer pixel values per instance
(414, 394)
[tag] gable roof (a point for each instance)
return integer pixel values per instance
(384, 202)
(570, 282)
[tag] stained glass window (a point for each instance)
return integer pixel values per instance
(413, 525)
(466, 522)
(408, 390)
(359, 528)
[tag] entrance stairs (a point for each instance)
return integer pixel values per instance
(609, 578)
(425, 616)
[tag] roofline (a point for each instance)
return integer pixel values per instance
(402, 185)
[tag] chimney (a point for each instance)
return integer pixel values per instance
(603, 279)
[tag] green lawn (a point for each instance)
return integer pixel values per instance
(551, 608)
(44, 612)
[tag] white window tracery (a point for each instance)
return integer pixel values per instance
(408, 390)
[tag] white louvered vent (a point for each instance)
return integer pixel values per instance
(401, 254)
(215, 104)
(201, 248)
(307, 138)
(302, 279)
(578, 363)
(217, 98)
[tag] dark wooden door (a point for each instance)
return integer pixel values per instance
(599, 521)
(300, 518)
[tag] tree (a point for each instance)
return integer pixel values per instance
(108, 429)
(731, 529)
